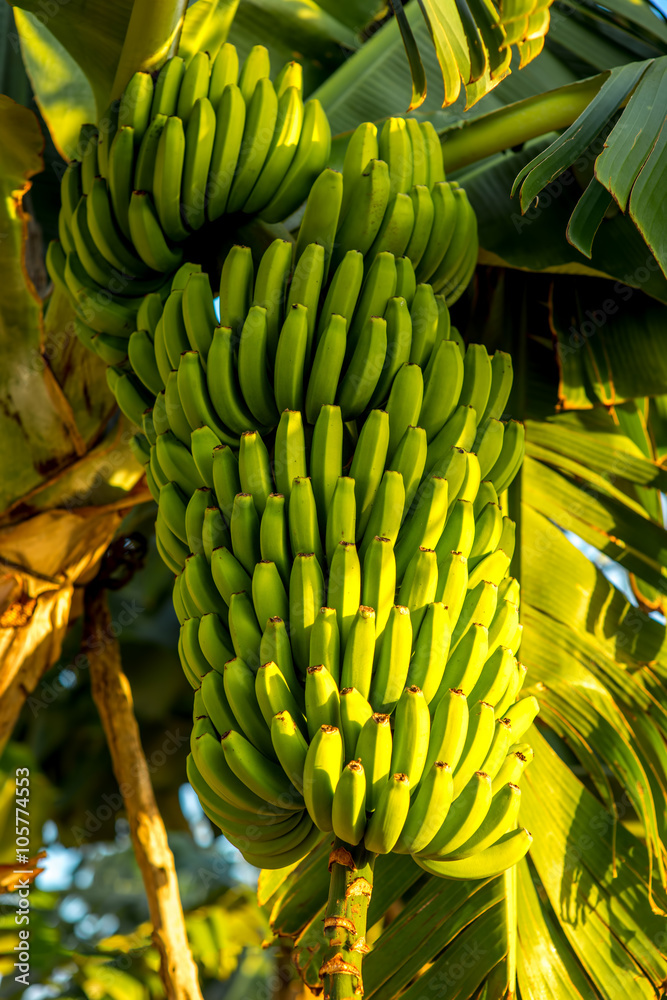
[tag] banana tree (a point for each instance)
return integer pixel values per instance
(578, 134)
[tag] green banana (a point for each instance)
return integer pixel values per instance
(412, 725)
(281, 152)
(373, 749)
(389, 816)
(271, 289)
(274, 696)
(504, 854)
(229, 131)
(257, 136)
(348, 813)
(266, 779)
(322, 700)
(273, 535)
(360, 379)
(303, 527)
(368, 464)
(326, 458)
(147, 235)
(320, 219)
(311, 157)
(289, 453)
(239, 686)
(428, 809)
(355, 711)
(291, 354)
(431, 651)
(378, 581)
(253, 367)
(321, 773)
(481, 729)
(325, 642)
(256, 67)
(199, 140)
(290, 747)
(392, 660)
(244, 629)
(167, 86)
(306, 594)
(215, 642)
(269, 596)
(359, 651)
(465, 816)
(344, 587)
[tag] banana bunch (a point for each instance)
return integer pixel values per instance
(395, 185)
(347, 621)
(171, 155)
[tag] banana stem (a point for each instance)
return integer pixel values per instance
(477, 138)
(350, 891)
(152, 36)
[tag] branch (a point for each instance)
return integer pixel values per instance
(151, 38)
(112, 695)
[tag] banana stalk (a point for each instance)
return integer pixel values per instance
(350, 888)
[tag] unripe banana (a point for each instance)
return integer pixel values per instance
(306, 594)
(215, 642)
(244, 528)
(431, 651)
(321, 773)
(481, 728)
(255, 471)
(322, 699)
(425, 525)
(274, 696)
(289, 456)
(465, 816)
(374, 751)
(344, 587)
(466, 661)
(303, 527)
(389, 816)
(239, 684)
(378, 587)
(357, 665)
(268, 594)
(412, 726)
(215, 532)
(392, 660)
(244, 629)
(348, 814)
(386, 513)
(326, 457)
(428, 809)
(253, 367)
(290, 747)
(409, 459)
(368, 463)
(266, 779)
(419, 585)
(355, 711)
(271, 289)
(325, 642)
(404, 404)
(275, 646)
(273, 535)
(226, 481)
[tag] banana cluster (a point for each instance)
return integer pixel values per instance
(395, 185)
(168, 157)
(328, 467)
